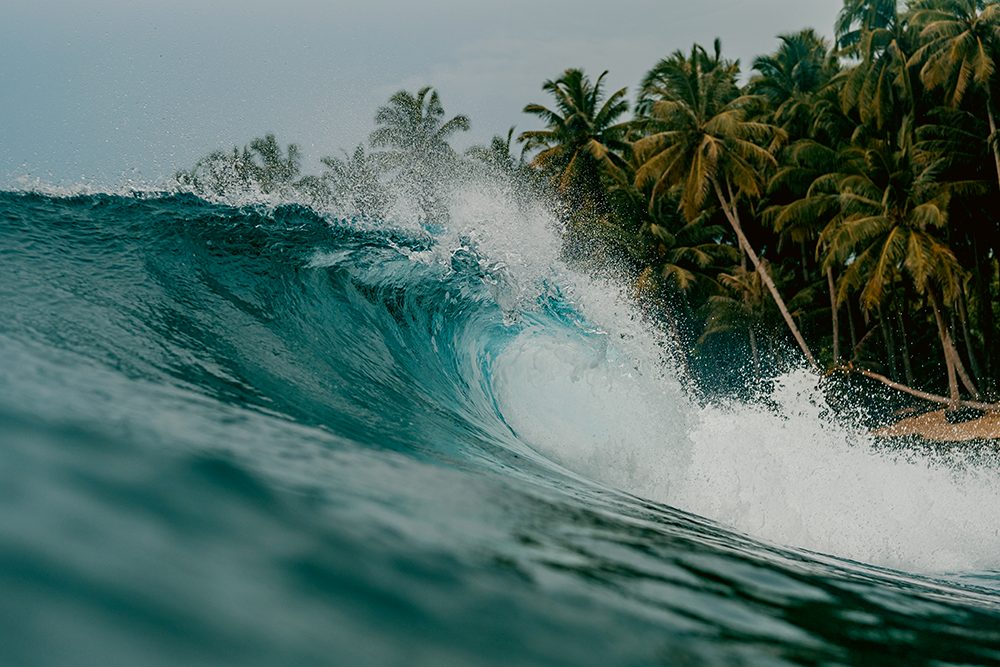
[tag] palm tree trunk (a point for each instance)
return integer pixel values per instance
(991, 407)
(901, 314)
(963, 375)
(907, 367)
(985, 310)
(963, 316)
(730, 210)
(833, 314)
(890, 347)
(756, 355)
(993, 125)
(777, 353)
(850, 324)
(949, 356)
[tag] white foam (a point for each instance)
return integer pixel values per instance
(798, 477)
(127, 187)
(604, 401)
(572, 401)
(790, 475)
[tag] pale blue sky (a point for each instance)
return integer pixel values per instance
(104, 90)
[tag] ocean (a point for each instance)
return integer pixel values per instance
(253, 433)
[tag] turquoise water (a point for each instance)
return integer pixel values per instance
(261, 435)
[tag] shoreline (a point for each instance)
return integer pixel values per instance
(934, 426)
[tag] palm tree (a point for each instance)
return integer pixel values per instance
(497, 158)
(581, 138)
(275, 170)
(743, 303)
(412, 129)
(858, 17)
(703, 141)
(888, 220)
(961, 41)
(879, 88)
(790, 78)
(662, 78)
(669, 253)
(798, 82)
(261, 165)
(682, 257)
(356, 180)
(219, 172)
(953, 148)
(809, 171)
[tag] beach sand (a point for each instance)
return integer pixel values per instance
(934, 426)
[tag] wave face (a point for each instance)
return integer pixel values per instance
(260, 435)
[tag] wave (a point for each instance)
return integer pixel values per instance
(457, 394)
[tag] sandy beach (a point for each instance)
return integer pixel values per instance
(934, 426)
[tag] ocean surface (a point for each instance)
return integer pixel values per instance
(250, 433)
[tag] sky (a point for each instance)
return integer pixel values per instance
(112, 92)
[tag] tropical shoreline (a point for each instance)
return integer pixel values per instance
(839, 206)
(935, 426)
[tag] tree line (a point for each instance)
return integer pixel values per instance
(846, 197)
(412, 157)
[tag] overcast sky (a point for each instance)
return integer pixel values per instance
(99, 91)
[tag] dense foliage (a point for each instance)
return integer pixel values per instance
(843, 200)
(860, 180)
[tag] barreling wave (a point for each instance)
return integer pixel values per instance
(255, 432)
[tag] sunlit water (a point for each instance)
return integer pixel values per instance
(251, 433)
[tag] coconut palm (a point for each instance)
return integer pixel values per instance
(356, 181)
(497, 154)
(220, 172)
(275, 170)
(703, 141)
(743, 304)
(261, 165)
(790, 78)
(666, 250)
(810, 173)
(879, 87)
(799, 81)
(581, 139)
(686, 255)
(498, 159)
(661, 80)
(961, 39)
(891, 219)
(858, 17)
(413, 132)
(953, 148)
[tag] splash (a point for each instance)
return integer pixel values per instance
(596, 389)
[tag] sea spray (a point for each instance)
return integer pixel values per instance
(797, 475)
(600, 395)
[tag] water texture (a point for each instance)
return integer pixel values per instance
(260, 435)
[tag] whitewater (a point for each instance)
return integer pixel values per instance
(245, 431)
